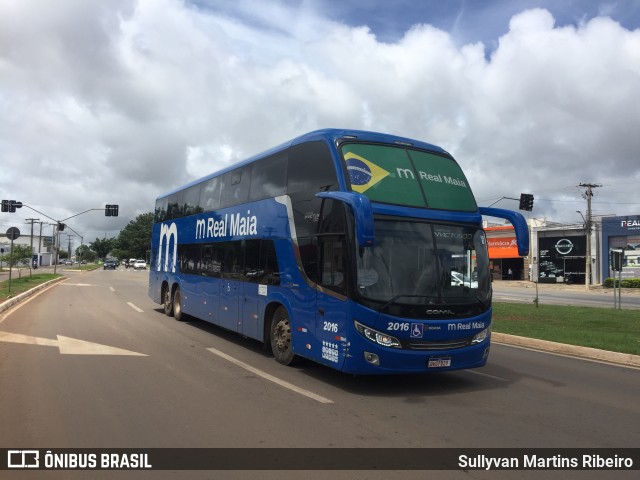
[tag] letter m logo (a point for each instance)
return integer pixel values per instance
(405, 173)
(167, 233)
(200, 228)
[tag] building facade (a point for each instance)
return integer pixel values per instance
(622, 234)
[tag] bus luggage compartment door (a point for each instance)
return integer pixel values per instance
(230, 293)
(248, 322)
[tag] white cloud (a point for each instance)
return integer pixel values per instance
(117, 102)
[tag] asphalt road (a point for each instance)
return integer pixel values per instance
(554, 294)
(92, 362)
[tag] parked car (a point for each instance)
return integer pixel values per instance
(139, 265)
(112, 264)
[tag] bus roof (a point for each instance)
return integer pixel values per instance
(331, 135)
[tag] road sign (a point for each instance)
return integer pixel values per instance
(13, 233)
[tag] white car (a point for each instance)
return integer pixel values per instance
(460, 280)
(139, 265)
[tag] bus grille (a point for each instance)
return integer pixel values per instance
(438, 345)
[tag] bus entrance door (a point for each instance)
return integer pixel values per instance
(332, 302)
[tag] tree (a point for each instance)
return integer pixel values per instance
(19, 254)
(134, 240)
(83, 252)
(102, 247)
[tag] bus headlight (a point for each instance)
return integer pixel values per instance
(481, 337)
(377, 337)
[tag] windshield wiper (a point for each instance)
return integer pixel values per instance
(393, 300)
(486, 304)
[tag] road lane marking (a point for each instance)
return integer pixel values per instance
(482, 374)
(26, 339)
(67, 346)
(271, 378)
(79, 284)
(137, 309)
(73, 346)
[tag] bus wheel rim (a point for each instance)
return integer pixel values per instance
(282, 335)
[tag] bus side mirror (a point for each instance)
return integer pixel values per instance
(362, 212)
(519, 225)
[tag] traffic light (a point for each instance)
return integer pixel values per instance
(61, 226)
(111, 210)
(526, 202)
(10, 205)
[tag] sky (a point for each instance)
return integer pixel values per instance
(119, 101)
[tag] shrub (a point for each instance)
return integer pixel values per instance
(626, 283)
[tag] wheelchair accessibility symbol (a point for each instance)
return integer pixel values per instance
(417, 330)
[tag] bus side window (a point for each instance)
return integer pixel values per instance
(260, 262)
(333, 264)
(268, 177)
(309, 257)
(270, 261)
(210, 263)
(191, 200)
(310, 170)
(210, 195)
(253, 270)
(235, 187)
(331, 240)
(161, 210)
(232, 260)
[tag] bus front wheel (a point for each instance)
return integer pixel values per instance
(167, 302)
(280, 337)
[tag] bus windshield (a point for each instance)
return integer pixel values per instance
(419, 263)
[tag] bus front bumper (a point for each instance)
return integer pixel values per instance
(366, 357)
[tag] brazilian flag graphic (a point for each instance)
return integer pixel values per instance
(363, 173)
(401, 176)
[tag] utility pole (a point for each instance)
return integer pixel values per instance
(588, 224)
(69, 240)
(32, 221)
(40, 238)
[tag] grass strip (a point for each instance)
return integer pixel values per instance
(603, 328)
(23, 283)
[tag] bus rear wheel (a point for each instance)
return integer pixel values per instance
(167, 302)
(177, 305)
(280, 337)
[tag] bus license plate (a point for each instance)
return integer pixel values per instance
(439, 362)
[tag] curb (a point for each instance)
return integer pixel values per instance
(4, 306)
(625, 359)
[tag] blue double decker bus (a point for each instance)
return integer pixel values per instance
(361, 251)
